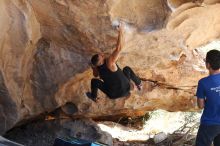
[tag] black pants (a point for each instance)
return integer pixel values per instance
(217, 140)
(98, 84)
(207, 134)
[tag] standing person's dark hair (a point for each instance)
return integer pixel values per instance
(213, 58)
(208, 97)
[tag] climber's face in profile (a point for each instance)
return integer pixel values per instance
(98, 59)
(101, 59)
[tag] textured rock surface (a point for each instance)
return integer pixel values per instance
(20, 32)
(211, 1)
(46, 46)
(177, 3)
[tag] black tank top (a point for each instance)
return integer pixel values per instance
(116, 83)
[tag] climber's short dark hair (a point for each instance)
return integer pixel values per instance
(95, 59)
(213, 58)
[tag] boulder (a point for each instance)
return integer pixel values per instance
(46, 47)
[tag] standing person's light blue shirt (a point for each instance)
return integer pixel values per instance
(209, 90)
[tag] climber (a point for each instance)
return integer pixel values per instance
(208, 97)
(113, 81)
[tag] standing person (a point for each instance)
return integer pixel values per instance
(113, 81)
(208, 97)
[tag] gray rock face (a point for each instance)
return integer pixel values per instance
(8, 108)
(44, 132)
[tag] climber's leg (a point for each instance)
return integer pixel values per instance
(129, 73)
(95, 85)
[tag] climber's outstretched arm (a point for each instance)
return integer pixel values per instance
(114, 56)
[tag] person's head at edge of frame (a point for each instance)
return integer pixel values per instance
(212, 60)
(98, 59)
